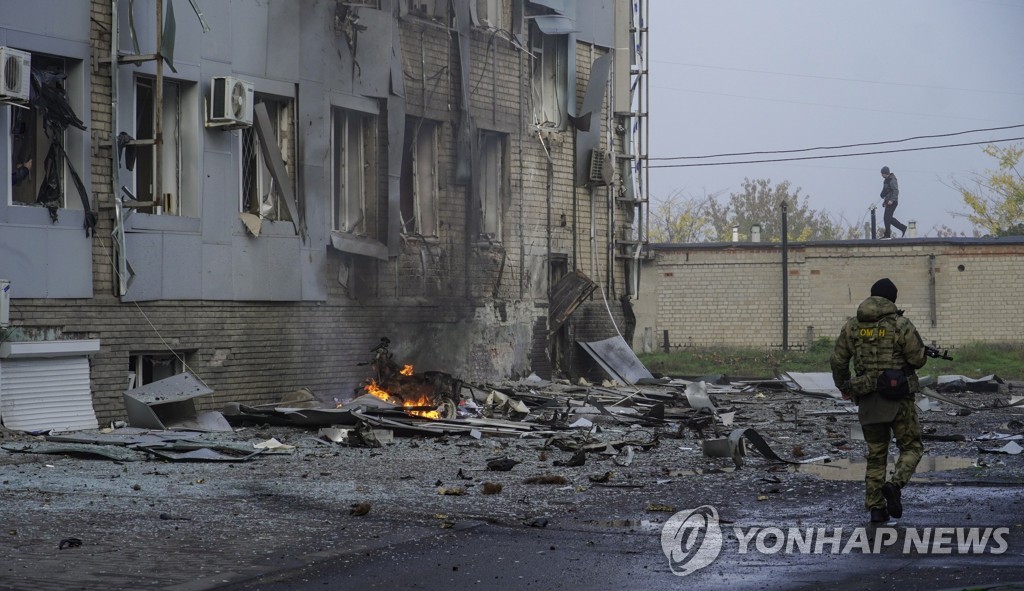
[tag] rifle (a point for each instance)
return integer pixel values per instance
(935, 353)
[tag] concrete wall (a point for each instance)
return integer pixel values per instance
(957, 291)
(259, 317)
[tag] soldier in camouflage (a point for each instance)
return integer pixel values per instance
(877, 340)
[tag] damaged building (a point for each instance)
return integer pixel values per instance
(256, 192)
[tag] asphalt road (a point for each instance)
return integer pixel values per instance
(627, 554)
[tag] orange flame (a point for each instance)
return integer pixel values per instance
(375, 390)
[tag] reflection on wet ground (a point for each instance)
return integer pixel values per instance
(850, 470)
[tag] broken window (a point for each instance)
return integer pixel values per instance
(550, 78)
(490, 13)
(30, 145)
(146, 368)
(419, 178)
(354, 183)
(260, 195)
(178, 192)
(492, 182)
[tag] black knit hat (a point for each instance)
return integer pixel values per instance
(884, 288)
(885, 170)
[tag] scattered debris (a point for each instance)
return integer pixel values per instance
(502, 464)
(451, 490)
(69, 543)
(359, 509)
(1012, 448)
(546, 479)
(492, 488)
(658, 507)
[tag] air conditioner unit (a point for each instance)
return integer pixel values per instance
(15, 75)
(231, 102)
(602, 167)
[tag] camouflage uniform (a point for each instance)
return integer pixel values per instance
(881, 338)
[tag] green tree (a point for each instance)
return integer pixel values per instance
(996, 197)
(759, 203)
(680, 219)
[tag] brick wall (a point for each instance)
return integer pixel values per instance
(956, 291)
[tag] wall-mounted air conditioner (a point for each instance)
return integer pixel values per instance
(602, 168)
(231, 103)
(15, 75)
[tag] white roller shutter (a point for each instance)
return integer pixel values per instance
(38, 394)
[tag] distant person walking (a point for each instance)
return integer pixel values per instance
(890, 199)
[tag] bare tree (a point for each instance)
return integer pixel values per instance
(680, 219)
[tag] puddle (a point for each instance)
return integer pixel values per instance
(848, 470)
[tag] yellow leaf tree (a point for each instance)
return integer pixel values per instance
(996, 197)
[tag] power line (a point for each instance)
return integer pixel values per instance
(831, 106)
(909, 139)
(1011, 139)
(929, 87)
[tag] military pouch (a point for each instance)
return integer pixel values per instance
(893, 384)
(862, 385)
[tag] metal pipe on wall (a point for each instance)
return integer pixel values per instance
(932, 308)
(785, 278)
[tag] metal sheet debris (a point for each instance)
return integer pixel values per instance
(617, 359)
(107, 452)
(1012, 448)
(166, 403)
(813, 383)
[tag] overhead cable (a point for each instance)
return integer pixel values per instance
(909, 139)
(1011, 139)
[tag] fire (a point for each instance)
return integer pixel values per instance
(374, 389)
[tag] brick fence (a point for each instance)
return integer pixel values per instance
(957, 291)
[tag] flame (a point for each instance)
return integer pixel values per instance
(373, 389)
(406, 371)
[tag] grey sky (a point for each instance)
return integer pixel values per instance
(754, 75)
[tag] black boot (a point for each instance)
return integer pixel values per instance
(893, 499)
(879, 515)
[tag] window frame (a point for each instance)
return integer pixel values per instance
(282, 114)
(349, 207)
(492, 184)
(491, 13)
(420, 176)
(42, 143)
(550, 78)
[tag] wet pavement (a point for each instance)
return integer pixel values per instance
(276, 521)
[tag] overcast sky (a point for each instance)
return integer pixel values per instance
(754, 75)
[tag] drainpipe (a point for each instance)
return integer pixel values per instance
(121, 258)
(785, 278)
(550, 177)
(522, 167)
(931, 291)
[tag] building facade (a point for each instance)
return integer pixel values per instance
(267, 188)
